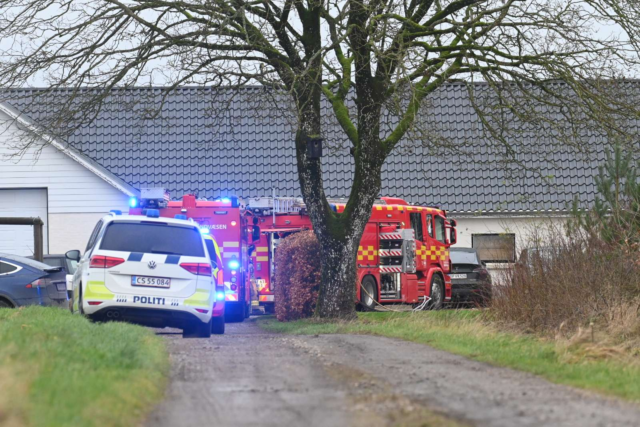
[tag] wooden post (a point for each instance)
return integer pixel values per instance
(38, 240)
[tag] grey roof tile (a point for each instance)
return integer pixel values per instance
(200, 142)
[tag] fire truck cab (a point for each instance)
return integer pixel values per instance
(223, 218)
(403, 256)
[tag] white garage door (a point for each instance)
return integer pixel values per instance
(18, 239)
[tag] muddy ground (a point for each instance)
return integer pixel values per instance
(250, 377)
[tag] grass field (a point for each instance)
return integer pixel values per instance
(57, 369)
(467, 333)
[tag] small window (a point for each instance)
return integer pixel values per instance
(430, 225)
(416, 224)
(72, 266)
(94, 236)
(6, 268)
(495, 247)
(440, 230)
(212, 253)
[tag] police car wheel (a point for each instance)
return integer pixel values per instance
(197, 329)
(217, 325)
(80, 309)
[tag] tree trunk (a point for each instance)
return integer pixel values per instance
(339, 234)
(337, 295)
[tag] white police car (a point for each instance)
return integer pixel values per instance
(147, 270)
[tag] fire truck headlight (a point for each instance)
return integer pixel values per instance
(220, 296)
(133, 202)
(234, 264)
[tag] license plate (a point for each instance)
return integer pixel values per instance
(154, 282)
(458, 276)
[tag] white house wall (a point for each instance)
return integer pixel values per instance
(77, 198)
(524, 227)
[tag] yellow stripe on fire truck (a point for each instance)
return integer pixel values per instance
(370, 253)
(262, 250)
(402, 207)
(434, 253)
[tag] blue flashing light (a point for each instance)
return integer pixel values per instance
(133, 202)
(180, 216)
(116, 211)
(220, 295)
(225, 200)
(153, 213)
(204, 231)
(234, 264)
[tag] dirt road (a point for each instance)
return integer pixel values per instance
(252, 378)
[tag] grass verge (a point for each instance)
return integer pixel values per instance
(469, 334)
(57, 369)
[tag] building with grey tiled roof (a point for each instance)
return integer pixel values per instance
(207, 142)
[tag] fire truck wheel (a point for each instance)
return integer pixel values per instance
(368, 294)
(437, 293)
(217, 327)
(235, 314)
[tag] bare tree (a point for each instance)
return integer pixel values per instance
(376, 62)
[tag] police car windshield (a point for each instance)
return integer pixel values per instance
(153, 238)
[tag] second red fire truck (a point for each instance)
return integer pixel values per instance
(403, 256)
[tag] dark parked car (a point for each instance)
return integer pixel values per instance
(68, 265)
(470, 280)
(24, 281)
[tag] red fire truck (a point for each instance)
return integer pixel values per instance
(403, 256)
(225, 220)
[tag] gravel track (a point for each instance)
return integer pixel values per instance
(250, 377)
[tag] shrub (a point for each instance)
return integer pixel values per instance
(297, 277)
(565, 284)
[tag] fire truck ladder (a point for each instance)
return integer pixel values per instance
(273, 205)
(397, 256)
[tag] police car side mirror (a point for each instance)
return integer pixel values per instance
(73, 255)
(255, 236)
